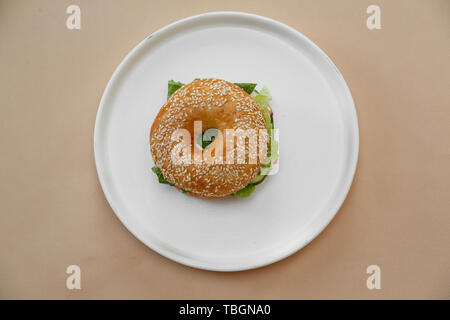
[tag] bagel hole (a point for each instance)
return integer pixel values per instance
(207, 137)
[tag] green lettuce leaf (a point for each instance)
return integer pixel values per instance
(247, 87)
(262, 98)
(173, 86)
(246, 192)
(161, 178)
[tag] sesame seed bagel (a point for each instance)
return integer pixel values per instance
(217, 104)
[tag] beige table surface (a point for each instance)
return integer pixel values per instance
(53, 212)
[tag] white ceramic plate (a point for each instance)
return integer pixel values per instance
(313, 110)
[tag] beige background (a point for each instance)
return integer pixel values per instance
(53, 212)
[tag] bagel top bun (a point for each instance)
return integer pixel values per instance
(220, 105)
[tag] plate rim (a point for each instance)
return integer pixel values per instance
(347, 179)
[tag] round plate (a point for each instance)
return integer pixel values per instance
(318, 133)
